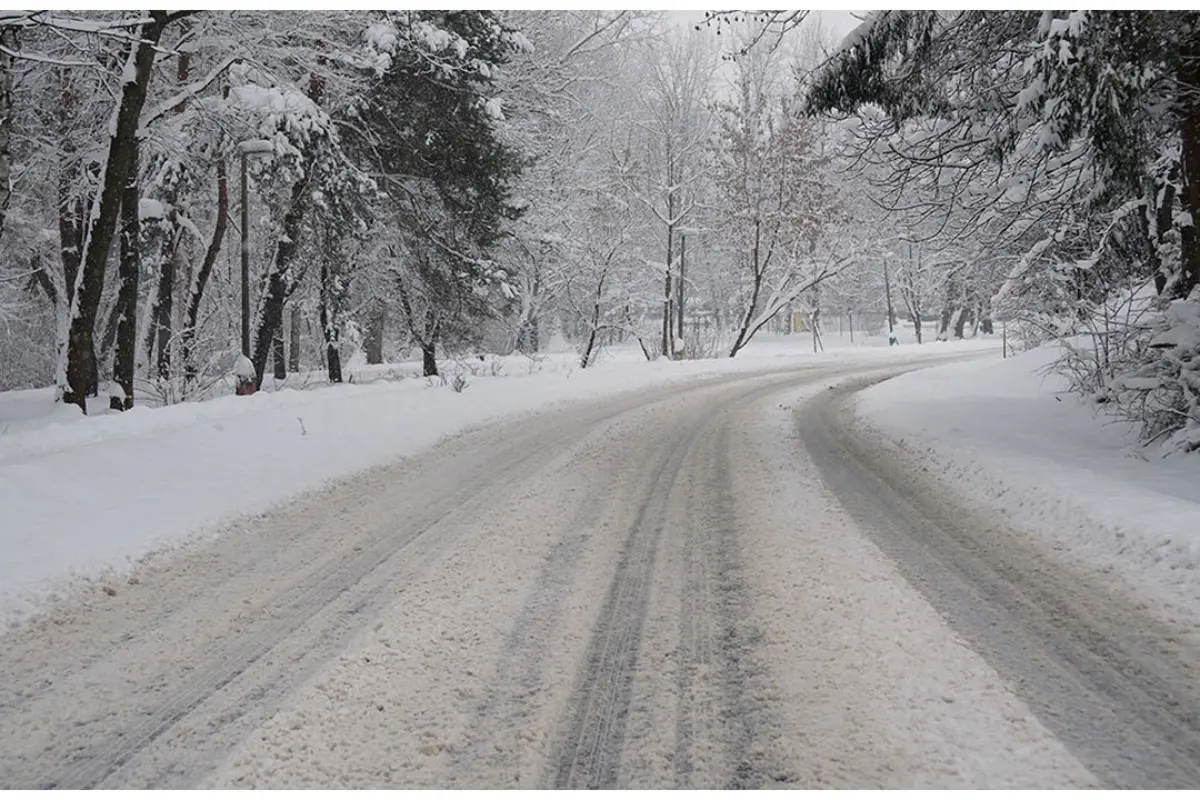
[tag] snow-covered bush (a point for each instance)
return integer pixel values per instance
(1160, 388)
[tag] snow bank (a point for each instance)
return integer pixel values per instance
(1008, 434)
(79, 495)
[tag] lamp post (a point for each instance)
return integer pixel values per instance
(246, 377)
(245, 262)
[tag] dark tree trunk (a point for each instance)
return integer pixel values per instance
(278, 286)
(985, 325)
(280, 358)
(333, 338)
(1163, 216)
(970, 310)
(128, 269)
(80, 356)
(71, 216)
(40, 278)
(429, 359)
(294, 341)
(332, 294)
(8, 38)
(333, 356)
(330, 328)
(1189, 79)
(188, 334)
(163, 311)
(164, 306)
(961, 323)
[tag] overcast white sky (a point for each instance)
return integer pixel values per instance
(838, 22)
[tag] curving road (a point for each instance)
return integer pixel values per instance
(721, 585)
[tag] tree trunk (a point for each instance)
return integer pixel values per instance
(946, 320)
(80, 358)
(330, 326)
(129, 266)
(743, 335)
(71, 222)
(278, 286)
(294, 341)
(163, 309)
(891, 309)
(1189, 129)
(8, 38)
(375, 333)
(162, 313)
(586, 359)
(961, 323)
(277, 350)
(333, 357)
(1163, 215)
(188, 334)
(528, 336)
(913, 301)
(429, 359)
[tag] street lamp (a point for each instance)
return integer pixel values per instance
(248, 148)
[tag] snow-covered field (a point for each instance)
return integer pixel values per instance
(1009, 435)
(82, 495)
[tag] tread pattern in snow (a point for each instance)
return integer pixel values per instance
(331, 601)
(1109, 680)
(590, 752)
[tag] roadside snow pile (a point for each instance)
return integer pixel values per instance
(80, 494)
(1009, 434)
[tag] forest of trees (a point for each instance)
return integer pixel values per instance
(184, 194)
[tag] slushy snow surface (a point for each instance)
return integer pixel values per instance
(1008, 434)
(83, 495)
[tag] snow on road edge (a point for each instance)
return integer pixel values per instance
(1008, 435)
(88, 496)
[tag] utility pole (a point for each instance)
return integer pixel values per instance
(668, 343)
(246, 382)
(679, 309)
(891, 315)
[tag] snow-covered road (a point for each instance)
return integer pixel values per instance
(700, 585)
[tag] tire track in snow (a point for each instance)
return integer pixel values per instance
(91, 768)
(723, 714)
(350, 587)
(589, 755)
(157, 685)
(590, 750)
(1113, 683)
(520, 671)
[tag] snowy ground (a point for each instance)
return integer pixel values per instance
(657, 590)
(1009, 435)
(79, 496)
(696, 583)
